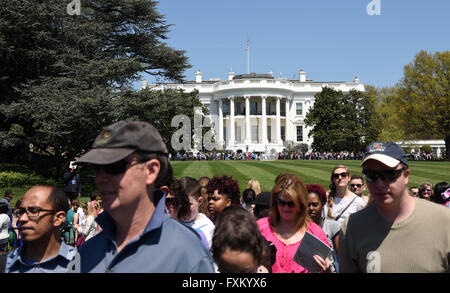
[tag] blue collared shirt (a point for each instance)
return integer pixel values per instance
(55, 264)
(165, 246)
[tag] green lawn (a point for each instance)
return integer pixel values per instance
(315, 171)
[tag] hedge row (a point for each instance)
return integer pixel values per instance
(17, 179)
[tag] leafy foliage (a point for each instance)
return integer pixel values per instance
(342, 121)
(62, 77)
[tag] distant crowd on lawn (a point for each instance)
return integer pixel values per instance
(230, 155)
(148, 221)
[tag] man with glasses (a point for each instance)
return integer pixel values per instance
(41, 213)
(357, 187)
(130, 162)
(398, 233)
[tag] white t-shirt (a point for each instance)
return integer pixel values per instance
(205, 225)
(4, 225)
(341, 203)
(80, 213)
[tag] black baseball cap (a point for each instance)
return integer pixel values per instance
(121, 139)
(388, 153)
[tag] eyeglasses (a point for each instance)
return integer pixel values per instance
(389, 175)
(117, 167)
(283, 203)
(336, 175)
(32, 212)
(426, 190)
(357, 185)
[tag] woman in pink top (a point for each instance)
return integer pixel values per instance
(287, 224)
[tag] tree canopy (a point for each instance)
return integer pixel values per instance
(64, 77)
(342, 122)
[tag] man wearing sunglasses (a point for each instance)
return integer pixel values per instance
(398, 233)
(41, 213)
(130, 162)
(357, 187)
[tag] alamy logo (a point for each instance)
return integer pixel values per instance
(374, 7)
(74, 7)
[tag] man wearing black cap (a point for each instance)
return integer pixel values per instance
(130, 161)
(398, 233)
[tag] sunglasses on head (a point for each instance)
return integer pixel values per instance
(336, 175)
(357, 185)
(283, 203)
(389, 175)
(115, 168)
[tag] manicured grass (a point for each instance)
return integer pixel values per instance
(314, 171)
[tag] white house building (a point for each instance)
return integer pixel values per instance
(258, 112)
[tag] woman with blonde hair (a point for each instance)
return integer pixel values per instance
(89, 227)
(287, 224)
(254, 184)
(341, 201)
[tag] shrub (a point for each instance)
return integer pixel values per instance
(17, 179)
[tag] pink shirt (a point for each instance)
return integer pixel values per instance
(284, 262)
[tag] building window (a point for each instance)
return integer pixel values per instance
(226, 109)
(283, 133)
(255, 133)
(298, 109)
(225, 133)
(269, 133)
(208, 107)
(282, 109)
(253, 107)
(299, 133)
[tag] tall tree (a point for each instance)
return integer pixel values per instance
(343, 122)
(422, 102)
(61, 75)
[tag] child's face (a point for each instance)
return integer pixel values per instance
(195, 203)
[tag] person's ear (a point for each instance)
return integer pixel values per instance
(228, 202)
(153, 167)
(200, 200)
(59, 218)
(164, 189)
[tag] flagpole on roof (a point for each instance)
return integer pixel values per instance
(248, 57)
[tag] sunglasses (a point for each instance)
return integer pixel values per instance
(426, 190)
(170, 201)
(336, 175)
(389, 175)
(357, 185)
(116, 168)
(283, 203)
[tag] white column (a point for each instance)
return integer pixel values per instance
(231, 141)
(264, 121)
(248, 137)
(220, 130)
(278, 122)
(287, 127)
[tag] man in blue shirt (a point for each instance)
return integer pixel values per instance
(41, 213)
(138, 236)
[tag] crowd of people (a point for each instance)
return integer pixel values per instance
(272, 155)
(149, 221)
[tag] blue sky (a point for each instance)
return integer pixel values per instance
(333, 40)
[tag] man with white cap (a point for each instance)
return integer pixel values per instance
(398, 233)
(130, 162)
